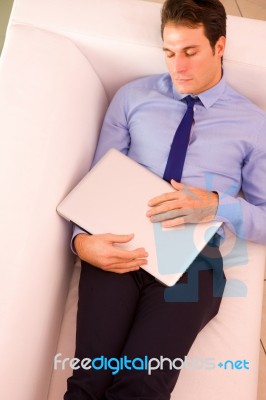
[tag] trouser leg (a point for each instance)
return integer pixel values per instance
(135, 316)
(106, 308)
(168, 328)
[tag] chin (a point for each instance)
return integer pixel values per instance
(184, 90)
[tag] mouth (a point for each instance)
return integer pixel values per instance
(183, 80)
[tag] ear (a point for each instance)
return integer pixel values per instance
(220, 46)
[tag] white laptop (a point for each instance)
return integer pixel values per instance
(113, 198)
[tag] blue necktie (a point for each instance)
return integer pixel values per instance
(177, 155)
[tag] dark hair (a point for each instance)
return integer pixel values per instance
(192, 13)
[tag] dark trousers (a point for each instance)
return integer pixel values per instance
(135, 316)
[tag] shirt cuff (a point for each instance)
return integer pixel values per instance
(230, 212)
(76, 231)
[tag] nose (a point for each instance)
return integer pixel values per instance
(180, 64)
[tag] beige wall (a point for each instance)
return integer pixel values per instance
(245, 8)
(242, 8)
(5, 8)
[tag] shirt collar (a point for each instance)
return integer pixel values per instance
(207, 98)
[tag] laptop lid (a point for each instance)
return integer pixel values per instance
(113, 198)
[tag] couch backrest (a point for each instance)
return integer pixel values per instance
(51, 107)
(127, 47)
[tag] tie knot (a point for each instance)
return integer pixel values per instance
(191, 101)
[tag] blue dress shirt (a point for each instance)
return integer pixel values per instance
(226, 153)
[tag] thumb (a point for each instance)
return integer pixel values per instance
(119, 238)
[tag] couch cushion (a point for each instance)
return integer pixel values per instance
(51, 105)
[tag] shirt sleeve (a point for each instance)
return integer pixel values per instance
(114, 134)
(246, 216)
(76, 231)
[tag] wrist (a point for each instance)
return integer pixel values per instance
(78, 242)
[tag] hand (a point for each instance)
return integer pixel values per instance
(100, 251)
(187, 204)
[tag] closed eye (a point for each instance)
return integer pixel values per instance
(191, 54)
(169, 54)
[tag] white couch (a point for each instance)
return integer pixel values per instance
(61, 63)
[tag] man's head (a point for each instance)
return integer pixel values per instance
(193, 13)
(193, 33)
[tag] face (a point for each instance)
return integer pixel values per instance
(193, 64)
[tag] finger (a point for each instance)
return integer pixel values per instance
(113, 238)
(177, 185)
(164, 207)
(133, 265)
(188, 191)
(190, 218)
(162, 198)
(171, 223)
(168, 215)
(123, 271)
(122, 262)
(128, 264)
(123, 254)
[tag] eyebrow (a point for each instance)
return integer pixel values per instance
(184, 49)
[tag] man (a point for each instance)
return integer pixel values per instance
(123, 311)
